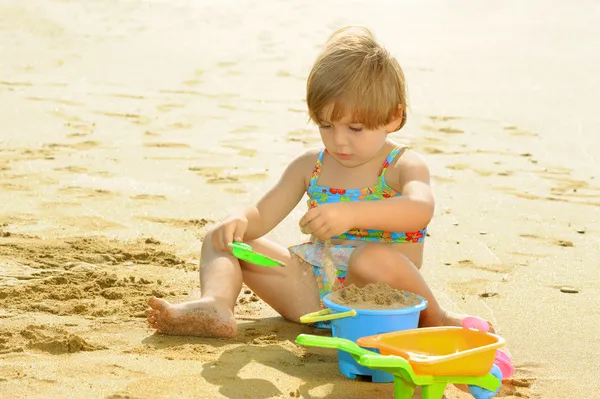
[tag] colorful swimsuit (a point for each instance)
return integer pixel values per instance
(339, 255)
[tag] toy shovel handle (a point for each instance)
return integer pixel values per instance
(331, 342)
(325, 315)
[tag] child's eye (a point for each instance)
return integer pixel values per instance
(355, 129)
(324, 126)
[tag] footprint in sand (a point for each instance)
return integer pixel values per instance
(123, 95)
(556, 198)
(527, 255)
(216, 175)
(181, 125)
(72, 169)
(480, 287)
(192, 82)
(235, 190)
(431, 150)
(246, 129)
(166, 145)
(81, 146)
(516, 387)
(438, 118)
(565, 189)
(458, 166)
(15, 84)
(572, 187)
(86, 192)
(515, 131)
(560, 243)
(76, 135)
(131, 117)
(8, 186)
(242, 151)
(55, 100)
(214, 96)
(225, 64)
(182, 223)
(59, 205)
(82, 129)
(148, 197)
(494, 268)
(88, 223)
(305, 136)
(442, 129)
(169, 107)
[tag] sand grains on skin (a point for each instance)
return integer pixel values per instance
(199, 318)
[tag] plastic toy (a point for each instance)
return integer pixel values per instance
(245, 252)
(352, 324)
(440, 350)
(405, 379)
(502, 360)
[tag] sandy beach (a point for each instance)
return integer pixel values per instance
(129, 127)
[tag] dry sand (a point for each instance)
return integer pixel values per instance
(374, 296)
(129, 126)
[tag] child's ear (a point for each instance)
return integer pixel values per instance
(395, 121)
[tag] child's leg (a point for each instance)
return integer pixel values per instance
(292, 291)
(373, 263)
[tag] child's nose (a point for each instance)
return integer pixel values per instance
(339, 137)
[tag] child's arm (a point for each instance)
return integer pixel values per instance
(281, 199)
(410, 212)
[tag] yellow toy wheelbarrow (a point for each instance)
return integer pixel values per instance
(467, 361)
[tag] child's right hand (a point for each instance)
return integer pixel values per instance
(231, 229)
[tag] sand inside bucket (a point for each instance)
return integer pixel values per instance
(374, 296)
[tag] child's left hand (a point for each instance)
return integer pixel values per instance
(327, 220)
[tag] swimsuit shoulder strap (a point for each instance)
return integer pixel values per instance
(398, 151)
(314, 177)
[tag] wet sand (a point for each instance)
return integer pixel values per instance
(129, 127)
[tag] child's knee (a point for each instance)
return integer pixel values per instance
(371, 263)
(207, 244)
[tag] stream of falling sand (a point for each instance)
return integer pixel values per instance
(329, 266)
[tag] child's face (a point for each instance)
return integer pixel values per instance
(350, 143)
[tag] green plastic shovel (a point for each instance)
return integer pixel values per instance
(245, 252)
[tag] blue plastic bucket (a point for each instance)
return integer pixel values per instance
(366, 323)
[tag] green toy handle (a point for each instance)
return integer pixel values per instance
(331, 342)
(374, 360)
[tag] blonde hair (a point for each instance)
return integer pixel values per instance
(357, 75)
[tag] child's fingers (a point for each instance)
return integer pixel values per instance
(227, 237)
(240, 232)
(305, 229)
(323, 233)
(308, 217)
(315, 225)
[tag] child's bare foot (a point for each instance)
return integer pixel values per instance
(204, 317)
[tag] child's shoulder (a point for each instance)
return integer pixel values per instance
(307, 158)
(408, 156)
(409, 164)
